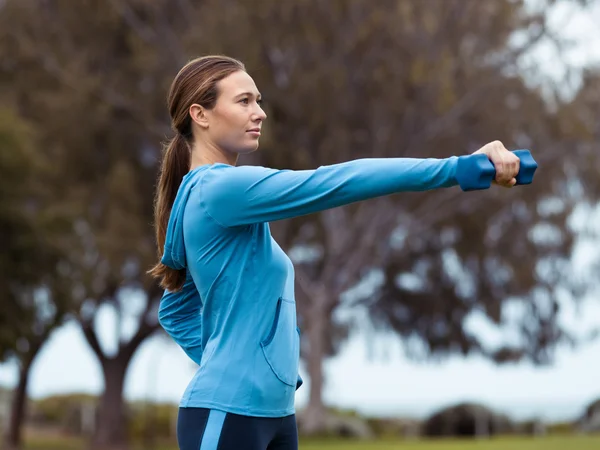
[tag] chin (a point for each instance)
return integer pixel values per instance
(247, 149)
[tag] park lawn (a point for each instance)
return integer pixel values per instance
(516, 443)
(547, 443)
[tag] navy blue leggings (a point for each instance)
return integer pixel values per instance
(210, 429)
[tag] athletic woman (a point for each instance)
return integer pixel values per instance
(229, 288)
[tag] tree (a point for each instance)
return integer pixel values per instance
(16, 227)
(34, 301)
(75, 71)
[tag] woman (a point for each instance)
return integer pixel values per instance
(229, 299)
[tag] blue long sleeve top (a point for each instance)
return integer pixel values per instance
(236, 314)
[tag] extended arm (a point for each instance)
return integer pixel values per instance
(243, 195)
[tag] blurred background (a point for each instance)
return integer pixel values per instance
(425, 317)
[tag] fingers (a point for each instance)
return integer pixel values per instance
(502, 164)
(508, 169)
(505, 162)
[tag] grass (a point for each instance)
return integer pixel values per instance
(548, 443)
(508, 443)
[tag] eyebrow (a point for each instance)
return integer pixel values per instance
(251, 94)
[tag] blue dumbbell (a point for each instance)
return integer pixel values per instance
(475, 172)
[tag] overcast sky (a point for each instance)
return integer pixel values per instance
(161, 371)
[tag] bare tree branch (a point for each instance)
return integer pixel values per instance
(165, 39)
(144, 32)
(304, 283)
(372, 226)
(87, 327)
(144, 331)
(188, 10)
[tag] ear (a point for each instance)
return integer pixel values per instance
(198, 115)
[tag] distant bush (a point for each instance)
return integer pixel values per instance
(63, 411)
(593, 408)
(149, 421)
(590, 421)
(467, 419)
(340, 424)
(69, 414)
(532, 427)
(560, 428)
(394, 427)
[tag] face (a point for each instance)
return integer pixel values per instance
(235, 122)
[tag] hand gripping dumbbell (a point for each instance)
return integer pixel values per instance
(475, 172)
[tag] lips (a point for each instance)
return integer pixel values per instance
(254, 130)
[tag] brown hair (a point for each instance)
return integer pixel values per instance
(196, 82)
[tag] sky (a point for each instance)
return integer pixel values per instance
(389, 385)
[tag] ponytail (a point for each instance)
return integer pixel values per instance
(174, 166)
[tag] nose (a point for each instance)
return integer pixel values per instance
(259, 114)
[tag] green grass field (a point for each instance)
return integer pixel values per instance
(551, 443)
(547, 443)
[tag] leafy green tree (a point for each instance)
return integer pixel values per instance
(76, 72)
(34, 296)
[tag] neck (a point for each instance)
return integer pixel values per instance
(206, 154)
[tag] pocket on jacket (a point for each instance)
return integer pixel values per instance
(281, 347)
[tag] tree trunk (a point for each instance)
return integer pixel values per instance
(315, 414)
(18, 409)
(110, 431)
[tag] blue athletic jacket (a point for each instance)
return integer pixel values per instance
(236, 314)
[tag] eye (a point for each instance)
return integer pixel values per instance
(260, 101)
(244, 101)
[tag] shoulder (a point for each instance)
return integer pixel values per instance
(221, 169)
(224, 179)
